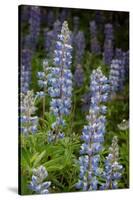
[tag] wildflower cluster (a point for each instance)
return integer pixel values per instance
(35, 20)
(28, 122)
(117, 75)
(93, 133)
(26, 57)
(108, 44)
(95, 46)
(113, 170)
(79, 47)
(126, 63)
(24, 80)
(61, 81)
(43, 83)
(62, 125)
(48, 37)
(42, 79)
(124, 57)
(37, 183)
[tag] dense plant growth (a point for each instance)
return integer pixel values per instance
(74, 109)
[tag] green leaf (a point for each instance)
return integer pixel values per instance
(39, 158)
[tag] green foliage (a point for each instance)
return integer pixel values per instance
(60, 158)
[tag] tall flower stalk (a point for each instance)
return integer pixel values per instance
(35, 21)
(24, 80)
(113, 170)
(43, 83)
(79, 46)
(78, 41)
(95, 46)
(61, 82)
(126, 63)
(28, 122)
(26, 59)
(48, 37)
(108, 44)
(93, 133)
(116, 76)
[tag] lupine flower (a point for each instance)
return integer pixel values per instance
(117, 76)
(24, 80)
(43, 83)
(61, 82)
(37, 183)
(56, 32)
(78, 40)
(95, 46)
(121, 57)
(57, 28)
(24, 17)
(28, 122)
(51, 38)
(113, 170)
(108, 44)
(93, 133)
(42, 79)
(126, 63)
(122, 75)
(108, 52)
(48, 36)
(124, 58)
(114, 76)
(79, 47)
(109, 32)
(26, 57)
(25, 74)
(79, 76)
(35, 19)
